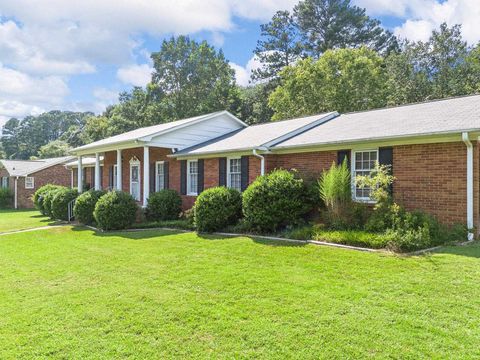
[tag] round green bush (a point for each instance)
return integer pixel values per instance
(60, 202)
(6, 198)
(217, 207)
(274, 201)
(115, 210)
(48, 198)
(164, 205)
(39, 196)
(85, 205)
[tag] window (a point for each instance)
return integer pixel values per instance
(363, 164)
(4, 182)
(160, 176)
(234, 174)
(115, 177)
(192, 177)
(29, 182)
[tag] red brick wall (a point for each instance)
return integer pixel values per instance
(56, 174)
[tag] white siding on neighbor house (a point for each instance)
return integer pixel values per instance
(198, 133)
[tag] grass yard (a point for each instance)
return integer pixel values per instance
(73, 293)
(11, 220)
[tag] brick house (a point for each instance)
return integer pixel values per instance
(431, 146)
(24, 177)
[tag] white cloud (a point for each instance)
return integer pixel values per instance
(243, 73)
(109, 96)
(422, 16)
(136, 75)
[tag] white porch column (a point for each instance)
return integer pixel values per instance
(146, 175)
(468, 143)
(98, 184)
(79, 175)
(119, 170)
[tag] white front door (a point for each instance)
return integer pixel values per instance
(135, 180)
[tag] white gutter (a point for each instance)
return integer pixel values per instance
(262, 161)
(469, 145)
(15, 197)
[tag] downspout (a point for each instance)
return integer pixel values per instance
(469, 146)
(15, 198)
(262, 161)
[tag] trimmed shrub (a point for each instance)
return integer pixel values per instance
(216, 208)
(6, 198)
(39, 196)
(60, 202)
(164, 205)
(85, 205)
(274, 201)
(48, 198)
(115, 210)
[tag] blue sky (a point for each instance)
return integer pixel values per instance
(80, 55)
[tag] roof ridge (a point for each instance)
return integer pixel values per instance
(388, 107)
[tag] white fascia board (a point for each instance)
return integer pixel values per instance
(216, 154)
(302, 129)
(121, 145)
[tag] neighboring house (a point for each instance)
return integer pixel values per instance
(24, 177)
(432, 148)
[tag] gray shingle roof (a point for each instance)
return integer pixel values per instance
(26, 167)
(255, 136)
(434, 117)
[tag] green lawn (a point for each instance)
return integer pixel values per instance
(11, 220)
(71, 293)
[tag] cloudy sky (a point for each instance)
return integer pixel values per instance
(78, 55)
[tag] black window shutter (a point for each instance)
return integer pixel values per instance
(342, 155)
(110, 177)
(101, 177)
(165, 175)
(84, 178)
(183, 177)
(8, 182)
(153, 178)
(201, 173)
(244, 169)
(385, 157)
(222, 171)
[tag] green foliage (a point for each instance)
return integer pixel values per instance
(216, 208)
(85, 205)
(254, 106)
(279, 46)
(59, 203)
(164, 205)
(343, 80)
(39, 197)
(115, 210)
(332, 24)
(23, 138)
(335, 188)
(53, 149)
(274, 201)
(378, 181)
(6, 198)
(48, 197)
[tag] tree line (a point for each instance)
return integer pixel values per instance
(326, 55)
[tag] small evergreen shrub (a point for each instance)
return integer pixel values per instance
(59, 204)
(85, 205)
(48, 198)
(115, 210)
(164, 205)
(6, 198)
(216, 208)
(39, 196)
(274, 201)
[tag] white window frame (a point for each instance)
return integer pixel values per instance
(353, 172)
(157, 178)
(136, 162)
(114, 185)
(191, 193)
(31, 180)
(229, 180)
